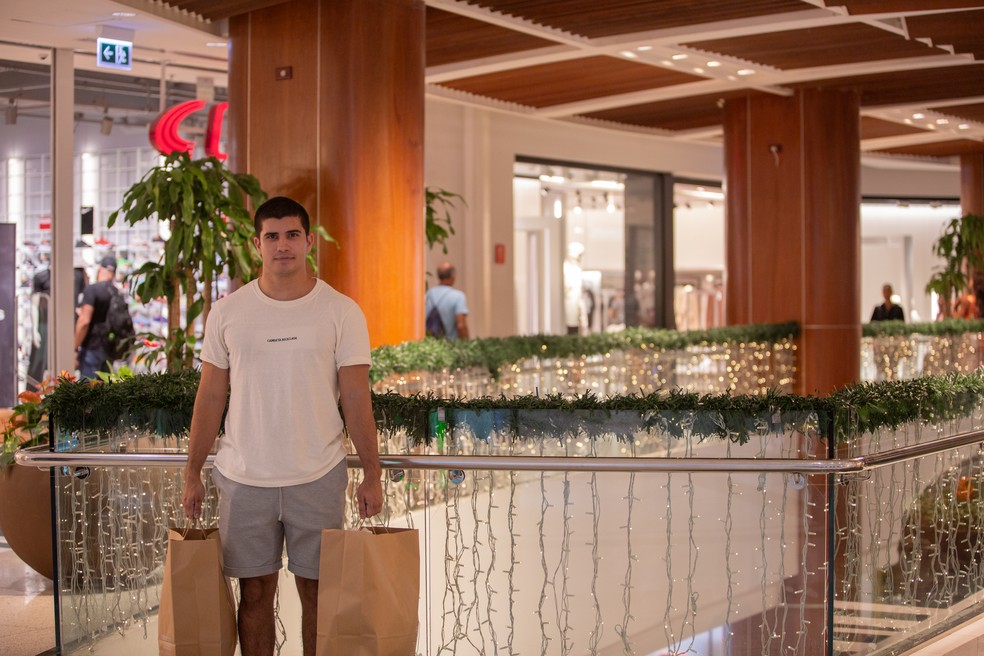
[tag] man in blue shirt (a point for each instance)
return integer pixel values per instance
(449, 302)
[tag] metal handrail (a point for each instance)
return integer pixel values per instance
(42, 458)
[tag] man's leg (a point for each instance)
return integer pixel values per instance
(308, 591)
(256, 621)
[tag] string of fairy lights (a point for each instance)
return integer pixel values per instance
(904, 357)
(740, 368)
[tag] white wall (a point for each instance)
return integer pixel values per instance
(472, 151)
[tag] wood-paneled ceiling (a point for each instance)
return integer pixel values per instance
(918, 66)
(666, 66)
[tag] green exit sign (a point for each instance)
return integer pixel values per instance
(114, 53)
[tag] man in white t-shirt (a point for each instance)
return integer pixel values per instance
(285, 348)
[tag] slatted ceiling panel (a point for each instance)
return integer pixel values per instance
(824, 46)
(964, 30)
(569, 81)
(219, 9)
(973, 112)
(939, 149)
(911, 87)
(875, 128)
(601, 18)
(682, 114)
(452, 38)
(856, 7)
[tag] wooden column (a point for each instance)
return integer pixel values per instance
(327, 106)
(972, 183)
(793, 226)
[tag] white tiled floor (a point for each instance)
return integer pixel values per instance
(26, 606)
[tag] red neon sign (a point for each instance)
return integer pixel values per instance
(164, 130)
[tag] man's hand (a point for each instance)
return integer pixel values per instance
(194, 494)
(370, 498)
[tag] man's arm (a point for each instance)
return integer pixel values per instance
(353, 389)
(82, 324)
(210, 402)
(462, 321)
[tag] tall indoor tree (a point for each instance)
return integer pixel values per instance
(205, 207)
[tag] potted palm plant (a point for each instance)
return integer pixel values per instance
(205, 208)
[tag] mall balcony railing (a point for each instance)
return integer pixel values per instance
(669, 524)
(893, 350)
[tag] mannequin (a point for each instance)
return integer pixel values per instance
(573, 287)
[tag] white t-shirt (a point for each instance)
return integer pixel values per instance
(283, 426)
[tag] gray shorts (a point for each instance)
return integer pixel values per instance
(254, 522)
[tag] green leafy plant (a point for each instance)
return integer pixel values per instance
(961, 246)
(438, 204)
(162, 404)
(204, 205)
(494, 352)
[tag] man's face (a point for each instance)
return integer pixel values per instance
(887, 293)
(283, 245)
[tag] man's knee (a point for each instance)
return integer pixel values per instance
(258, 589)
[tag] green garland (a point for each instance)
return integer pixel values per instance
(901, 328)
(163, 403)
(494, 352)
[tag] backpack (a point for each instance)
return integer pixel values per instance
(434, 325)
(119, 326)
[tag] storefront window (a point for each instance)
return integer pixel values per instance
(590, 246)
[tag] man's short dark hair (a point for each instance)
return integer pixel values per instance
(280, 207)
(445, 272)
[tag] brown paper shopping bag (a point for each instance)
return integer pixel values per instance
(197, 613)
(368, 592)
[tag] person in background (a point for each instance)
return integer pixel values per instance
(889, 310)
(451, 304)
(966, 306)
(285, 349)
(90, 341)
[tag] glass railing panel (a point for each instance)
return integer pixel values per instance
(903, 357)
(910, 542)
(517, 561)
(742, 368)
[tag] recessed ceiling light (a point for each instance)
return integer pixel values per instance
(644, 48)
(124, 14)
(941, 121)
(667, 62)
(217, 44)
(746, 71)
(698, 70)
(930, 126)
(713, 64)
(918, 115)
(963, 126)
(908, 120)
(679, 56)
(629, 54)
(732, 78)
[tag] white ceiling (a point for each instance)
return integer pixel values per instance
(28, 28)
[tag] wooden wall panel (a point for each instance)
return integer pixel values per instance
(793, 238)
(737, 229)
(775, 194)
(342, 134)
(832, 201)
(372, 113)
(972, 183)
(283, 113)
